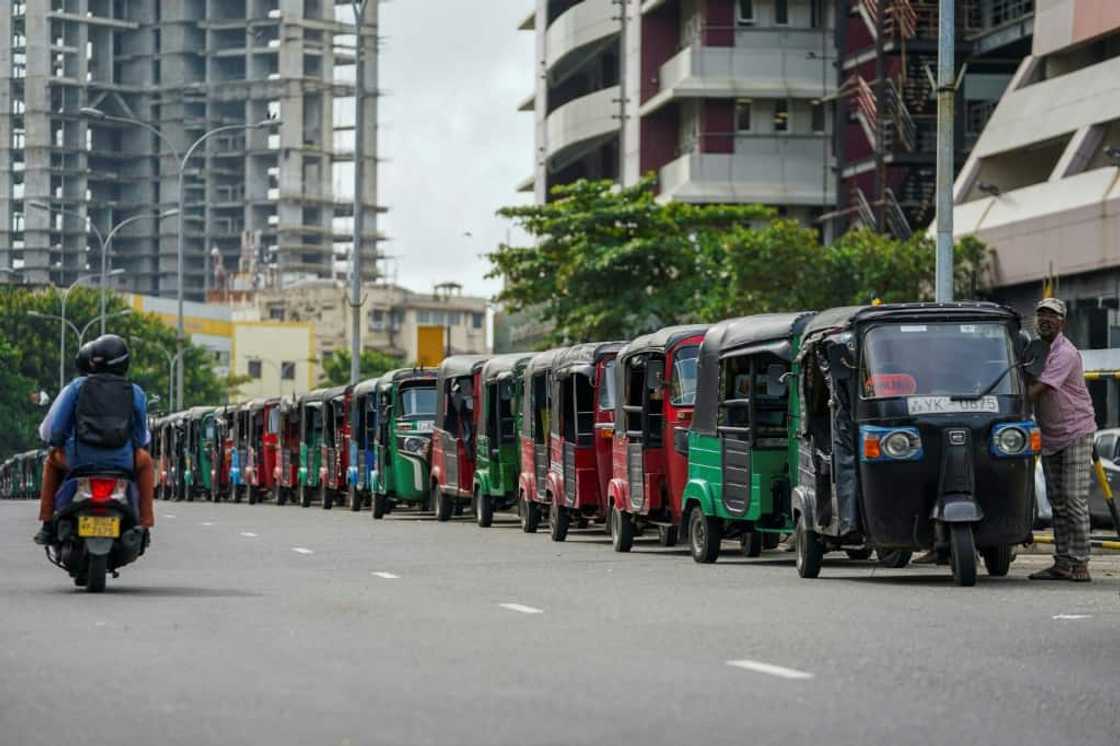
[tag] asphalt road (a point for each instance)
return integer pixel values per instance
(268, 625)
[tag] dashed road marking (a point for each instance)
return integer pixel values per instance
(770, 669)
(387, 575)
(169, 515)
(248, 534)
(1072, 616)
(302, 550)
(522, 609)
(206, 523)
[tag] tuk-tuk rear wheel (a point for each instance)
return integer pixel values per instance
(354, 498)
(962, 553)
(667, 536)
(622, 530)
(530, 516)
(750, 544)
(279, 494)
(304, 496)
(251, 494)
(443, 505)
(704, 536)
(483, 509)
(810, 550)
(997, 560)
(559, 520)
(379, 503)
(326, 497)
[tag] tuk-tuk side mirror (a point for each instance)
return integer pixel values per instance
(776, 376)
(655, 374)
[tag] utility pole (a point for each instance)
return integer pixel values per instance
(946, 95)
(359, 7)
(623, 9)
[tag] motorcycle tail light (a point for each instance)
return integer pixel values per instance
(101, 490)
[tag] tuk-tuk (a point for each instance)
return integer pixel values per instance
(392, 448)
(581, 435)
(288, 458)
(336, 445)
(167, 467)
(314, 408)
(655, 380)
(497, 461)
(453, 434)
(915, 432)
(261, 448)
(739, 444)
(536, 411)
(196, 466)
(237, 441)
(6, 479)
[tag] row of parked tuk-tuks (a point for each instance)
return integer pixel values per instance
(21, 475)
(878, 429)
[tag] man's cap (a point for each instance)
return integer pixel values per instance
(1053, 305)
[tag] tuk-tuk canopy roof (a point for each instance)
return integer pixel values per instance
(662, 339)
(497, 366)
(198, 412)
(458, 366)
(543, 361)
(257, 405)
(845, 317)
(585, 355)
(769, 332)
(321, 395)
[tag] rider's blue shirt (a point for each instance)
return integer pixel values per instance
(58, 429)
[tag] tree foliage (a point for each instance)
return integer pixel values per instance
(611, 263)
(336, 366)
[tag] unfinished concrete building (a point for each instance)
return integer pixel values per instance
(267, 196)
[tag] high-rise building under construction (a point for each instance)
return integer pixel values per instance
(276, 197)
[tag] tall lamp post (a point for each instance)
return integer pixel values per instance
(946, 99)
(105, 241)
(359, 8)
(171, 360)
(181, 165)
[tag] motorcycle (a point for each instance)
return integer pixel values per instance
(97, 528)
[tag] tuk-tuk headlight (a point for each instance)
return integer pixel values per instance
(1015, 439)
(416, 446)
(891, 443)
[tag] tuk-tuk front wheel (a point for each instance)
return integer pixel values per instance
(559, 520)
(667, 536)
(483, 509)
(530, 516)
(380, 502)
(279, 495)
(442, 504)
(354, 498)
(251, 494)
(997, 560)
(304, 496)
(962, 554)
(750, 544)
(810, 550)
(704, 536)
(622, 531)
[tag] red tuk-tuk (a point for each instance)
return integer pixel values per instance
(261, 450)
(580, 439)
(655, 379)
(454, 433)
(536, 411)
(336, 444)
(286, 468)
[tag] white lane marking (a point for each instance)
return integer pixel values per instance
(770, 669)
(169, 515)
(302, 550)
(521, 608)
(248, 534)
(206, 523)
(1072, 616)
(387, 576)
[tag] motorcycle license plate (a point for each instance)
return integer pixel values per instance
(99, 527)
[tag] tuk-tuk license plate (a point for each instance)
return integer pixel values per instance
(99, 527)
(946, 405)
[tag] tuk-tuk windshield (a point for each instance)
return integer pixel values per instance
(682, 386)
(937, 360)
(607, 386)
(419, 403)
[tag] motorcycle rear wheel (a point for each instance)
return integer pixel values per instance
(98, 566)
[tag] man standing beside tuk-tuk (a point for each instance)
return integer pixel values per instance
(1064, 411)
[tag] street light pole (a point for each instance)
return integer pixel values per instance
(946, 95)
(359, 8)
(64, 322)
(171, 360)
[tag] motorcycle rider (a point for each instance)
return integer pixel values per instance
(98, 421)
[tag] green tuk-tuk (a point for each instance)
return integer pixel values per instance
(312, 465)
(393, 444)
(741, 449)
(498, 459)
(196, 467)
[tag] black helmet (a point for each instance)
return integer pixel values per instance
(109, 354)
(82, 360)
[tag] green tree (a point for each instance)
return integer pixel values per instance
(336, 366)
(610, 263)
(17, 409)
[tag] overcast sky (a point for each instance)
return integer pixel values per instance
(454, 72)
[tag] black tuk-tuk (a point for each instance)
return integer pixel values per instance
(915, 432)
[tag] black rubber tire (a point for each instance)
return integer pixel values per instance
(252, 494)
(444, 507)
(559, 520)
(668, 536)
(858, 554)
(962, 554)
(622, 531)
(530, 516)
(750, 544)
(895, 559)
(997, 560)
(354, 499)
(304, 496)
(704, 536)
(380, 502)
(280, 495)
(810, 551)
(484, 509)
(236, 492)
(97, 568)
(326, 497)
(608, 525)
(771, 540)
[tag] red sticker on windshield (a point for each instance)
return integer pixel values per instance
(892, 384)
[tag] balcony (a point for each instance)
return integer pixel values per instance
(584, 119)
(586, 23)
(764, 63)
(766, 169)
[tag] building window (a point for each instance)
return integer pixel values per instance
(255, 369)
(745, 16)
(781, 115)
(287, 371)
(423, 317)
(781, 12)
(396, 318)
(377, 320)
(276, 313)
(743, 115)
(454, 318)
(818, 117)
(477, 320)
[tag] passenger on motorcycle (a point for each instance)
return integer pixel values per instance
(99, 421)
